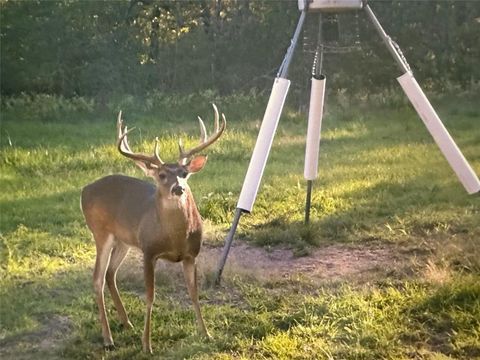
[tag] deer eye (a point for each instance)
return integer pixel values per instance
(162, 177)
(183, 173)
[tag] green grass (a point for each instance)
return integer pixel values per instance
(382, 180)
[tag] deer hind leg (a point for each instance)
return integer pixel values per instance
(119, 253)
(104, 243)
(149, 273)
(190, 273)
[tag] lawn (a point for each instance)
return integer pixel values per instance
(382, 184)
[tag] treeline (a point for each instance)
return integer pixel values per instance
(105, 48)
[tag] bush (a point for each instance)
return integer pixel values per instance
(45, 107)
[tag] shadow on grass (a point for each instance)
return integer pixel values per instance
(449, 311)
(384, 211)
(36, 315)
(56, 317)
(60, 313)
(53, 213)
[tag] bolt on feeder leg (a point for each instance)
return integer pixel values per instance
(315, 116)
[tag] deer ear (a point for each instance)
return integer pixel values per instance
(196, 164)
(148, 170)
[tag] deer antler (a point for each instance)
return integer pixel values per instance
(124, 148)
(205, 141)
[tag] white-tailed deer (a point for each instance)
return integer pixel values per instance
(161, 220)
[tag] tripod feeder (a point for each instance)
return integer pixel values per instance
(251, 184)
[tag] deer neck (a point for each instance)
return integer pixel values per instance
(178, 211)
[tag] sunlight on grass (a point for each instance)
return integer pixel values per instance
(381, 179)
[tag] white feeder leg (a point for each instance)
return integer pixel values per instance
(257, 162)
(263, 144)
(430, 118)
(315, 115)
(440, 134)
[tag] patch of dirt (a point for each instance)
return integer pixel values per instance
(334, 262)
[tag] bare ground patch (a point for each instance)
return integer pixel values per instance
(334, 262)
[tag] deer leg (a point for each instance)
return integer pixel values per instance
(118, 255)
(104, 245)
(190, 273)
(149, 273)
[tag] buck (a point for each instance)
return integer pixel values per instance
(162, 221)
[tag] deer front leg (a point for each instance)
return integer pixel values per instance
(190, 273)
(149, 273)
(104, 245)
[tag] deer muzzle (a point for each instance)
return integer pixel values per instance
(177, 190)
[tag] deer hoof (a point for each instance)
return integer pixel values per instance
(147, 349)
(206, 335)
(109, 347)
(127, 326)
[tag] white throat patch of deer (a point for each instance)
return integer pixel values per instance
(162, 220)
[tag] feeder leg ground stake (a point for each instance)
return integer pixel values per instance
(315, 115)
(228, 244)
(424, 109)
(263, 145)
(308, 201)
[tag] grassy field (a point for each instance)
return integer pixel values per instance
(382, 183)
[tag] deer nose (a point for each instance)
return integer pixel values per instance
(177, 190)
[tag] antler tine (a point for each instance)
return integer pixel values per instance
(215, 110)
(205, 141)
(203, 130)
(124, 148)
(122, 134)
(180, 146)
(119, 123)
(124, 139)
(156, 151)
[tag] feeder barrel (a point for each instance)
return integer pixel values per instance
(330, 5)
(263, 144)
(440, 134)
(315, 115)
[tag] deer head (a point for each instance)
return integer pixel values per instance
(171, 178)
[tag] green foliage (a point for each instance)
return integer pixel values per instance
(106, 48)
(45, 107)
